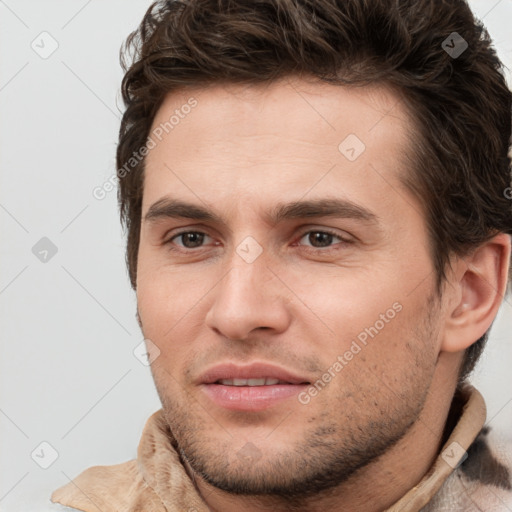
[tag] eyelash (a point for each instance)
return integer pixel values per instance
(343, 241)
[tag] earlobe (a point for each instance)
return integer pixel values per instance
(480, 285)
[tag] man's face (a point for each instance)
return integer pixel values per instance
(334, 310)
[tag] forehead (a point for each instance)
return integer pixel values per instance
(233, 139)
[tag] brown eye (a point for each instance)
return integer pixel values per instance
(321, 239)
(189, 239)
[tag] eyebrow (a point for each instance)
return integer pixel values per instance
(339, 208)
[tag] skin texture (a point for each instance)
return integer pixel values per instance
(372, 432)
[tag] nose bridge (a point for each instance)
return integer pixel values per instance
(247, 282)
(243, 281)
(248, 272)
(247, 297)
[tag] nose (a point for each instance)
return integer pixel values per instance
(248, 297)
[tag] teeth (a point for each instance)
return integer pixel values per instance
(255, 382)
(251, 382)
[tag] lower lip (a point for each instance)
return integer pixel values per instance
(251, 398)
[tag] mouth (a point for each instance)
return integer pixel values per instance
(265, 381)
(253, 387)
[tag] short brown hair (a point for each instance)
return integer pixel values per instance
(460, 103)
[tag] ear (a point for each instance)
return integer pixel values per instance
(478, 287)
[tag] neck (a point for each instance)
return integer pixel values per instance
(376, 486)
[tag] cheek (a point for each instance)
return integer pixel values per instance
(373, 318)
(165, 292)
(346, 299)
(171, 306)
(160, 305)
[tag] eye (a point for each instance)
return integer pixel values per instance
(322, 239)
(189, 239)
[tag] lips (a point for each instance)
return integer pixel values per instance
(254, 387)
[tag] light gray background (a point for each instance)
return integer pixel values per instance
(68, 373)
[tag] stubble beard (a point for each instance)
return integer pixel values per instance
(342, 441)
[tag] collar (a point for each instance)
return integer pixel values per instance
(156, 471)
(158, 482)
(452, 453)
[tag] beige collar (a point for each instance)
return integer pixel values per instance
(158, 482)
(467, 428)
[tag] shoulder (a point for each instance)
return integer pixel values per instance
(487, 471)
(483, 481)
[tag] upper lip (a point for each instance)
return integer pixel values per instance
(251, 371)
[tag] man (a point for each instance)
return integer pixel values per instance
(319, 240)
